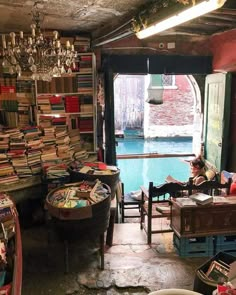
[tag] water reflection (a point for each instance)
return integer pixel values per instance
(137, 172)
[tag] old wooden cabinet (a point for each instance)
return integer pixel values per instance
(198, 221)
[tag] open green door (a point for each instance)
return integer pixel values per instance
(216, 118)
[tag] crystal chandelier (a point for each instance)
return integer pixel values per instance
(44, 57)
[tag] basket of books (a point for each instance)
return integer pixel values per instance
(82, 207)
(214, 272)
(91, 171)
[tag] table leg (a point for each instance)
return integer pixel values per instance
(102, 250)
(110, 230)
(66, 256)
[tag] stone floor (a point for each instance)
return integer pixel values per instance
(131, 266)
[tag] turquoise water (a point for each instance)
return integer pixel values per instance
(137, 172)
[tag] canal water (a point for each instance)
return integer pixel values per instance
(137, 172)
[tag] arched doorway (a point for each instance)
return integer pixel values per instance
(171, 123)
(176, 110)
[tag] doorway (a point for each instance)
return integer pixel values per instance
(174, 121)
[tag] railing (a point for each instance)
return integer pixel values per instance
(152, 155)
(135, 174)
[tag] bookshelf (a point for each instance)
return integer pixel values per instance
(69, 102)
(17, 100)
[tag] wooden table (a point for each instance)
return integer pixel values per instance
(198, 221)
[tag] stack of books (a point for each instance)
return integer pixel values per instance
(75, 145)
(63, 145)
(4, 141)
(23, 114)
(56, 171)
(59, 121)
(7, 172)
(49, 138)
(82, 43)
(85, 83)
(20, 164)
(34, 160)
(86, 63)
(44, 106)
(7, 223)
(45, 121)
(57, 104)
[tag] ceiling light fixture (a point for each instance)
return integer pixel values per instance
(182, 17)
(45, 57)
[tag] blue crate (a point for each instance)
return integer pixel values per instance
(226, 243)
(194, 247)
(226, 240)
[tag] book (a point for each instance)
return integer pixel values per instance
(186, 202)
(5, 202)
(218, 272)
(163, 209)
(201, 198)
(85, 169)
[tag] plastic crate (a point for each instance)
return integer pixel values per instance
(194, 247)
(201, 284)
(226, 243)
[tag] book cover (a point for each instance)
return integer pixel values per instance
(201, 198)
(218, 272)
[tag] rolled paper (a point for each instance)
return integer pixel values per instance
(21, 34)
(67, 44)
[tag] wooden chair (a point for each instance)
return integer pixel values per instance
(128, 203)
(210, 187)
(156, 203)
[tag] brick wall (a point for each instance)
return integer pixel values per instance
(172, 118)
(175, 116)
(177, 107)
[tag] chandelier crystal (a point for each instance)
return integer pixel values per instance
(43, 56)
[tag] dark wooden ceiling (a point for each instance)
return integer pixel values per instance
(107, 20)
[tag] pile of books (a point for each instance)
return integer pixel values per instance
(78, 195)
(7, 227)
(82, 43)
(93, 168)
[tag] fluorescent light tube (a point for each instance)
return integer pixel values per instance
(182, 17)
